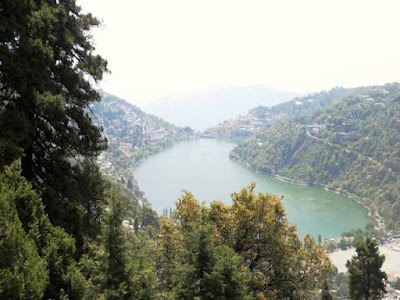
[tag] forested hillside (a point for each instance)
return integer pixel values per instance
(132, 134)
(67, 233)
(352, 145)
(262, 117)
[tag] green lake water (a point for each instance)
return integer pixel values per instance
(203, 167)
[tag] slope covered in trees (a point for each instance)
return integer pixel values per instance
(132, 134)
(262, 117)
(54, 200)
(351, 145)
(67, 233)
(246, 250)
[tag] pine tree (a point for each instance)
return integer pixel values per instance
(128, 271)
(140, 271)
(169, 245)
(326, 294)
(47, 60)
(54, 246)
(23, 273)
(115, 252)
(367, 280)
(208, 271)
(47, 57)
(130, 184)
(228, 278)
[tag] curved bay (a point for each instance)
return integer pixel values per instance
(204, 168)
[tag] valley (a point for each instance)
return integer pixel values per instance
(203, 167)
(219, 175)
(305, 151)
(268, 140)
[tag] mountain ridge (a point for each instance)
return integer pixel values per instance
(204, 108)
(351, 145)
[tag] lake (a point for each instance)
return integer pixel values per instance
(203, 167)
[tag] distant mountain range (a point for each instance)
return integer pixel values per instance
(205, 108)
(347, 140)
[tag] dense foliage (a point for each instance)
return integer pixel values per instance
(68, 233)
(46, 58)
(241, 251)
(132, 134)
(351, 145)
(54, 201)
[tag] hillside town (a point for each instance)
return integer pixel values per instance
(245, 125)
(132, 135)
(240, 128)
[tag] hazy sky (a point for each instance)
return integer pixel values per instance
(157, 48)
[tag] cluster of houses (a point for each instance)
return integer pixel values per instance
(128, 130)
(132, 126)
(342, 129)
(246, 125)
(391, 294)
(128, 225)
(131, 134)
(333, 244)
(315, 129)
(242, 127)
(106, 166)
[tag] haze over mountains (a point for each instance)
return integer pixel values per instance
(343, 139)
(206, 108)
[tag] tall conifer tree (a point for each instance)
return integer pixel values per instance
(367, 280)
(47, 59)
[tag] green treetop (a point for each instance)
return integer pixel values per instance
(367, 280)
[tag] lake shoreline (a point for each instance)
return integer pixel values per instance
(313, 210)
(379, 223)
